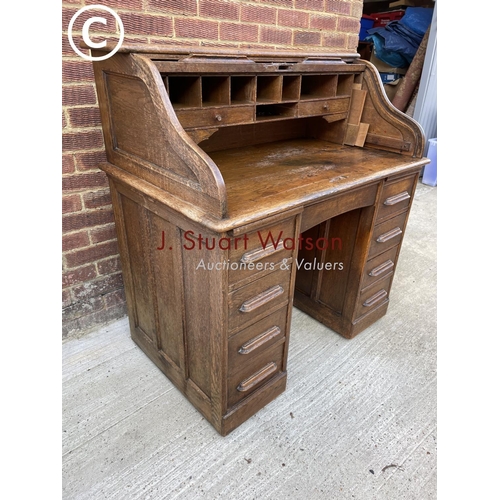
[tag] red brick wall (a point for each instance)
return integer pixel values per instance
(92, 281)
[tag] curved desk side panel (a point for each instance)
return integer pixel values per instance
(389, 129)
(144, 137)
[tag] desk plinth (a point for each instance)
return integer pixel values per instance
(238, 193)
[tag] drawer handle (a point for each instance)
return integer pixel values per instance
(258, 377)
(261, 299)
(385, 266)
(389, 235)
(260, 253)
(375, 298)
(325, 107)
(218, 118)
(261, 339)
(397, 198)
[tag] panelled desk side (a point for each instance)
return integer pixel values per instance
(206, 151)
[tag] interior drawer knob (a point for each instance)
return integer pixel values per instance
(218, 118)
(326, 107)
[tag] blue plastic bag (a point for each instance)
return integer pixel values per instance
(390, 57)
(417, 19)
(397, 43)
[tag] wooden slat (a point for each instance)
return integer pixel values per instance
(362, 131)
(357, 104)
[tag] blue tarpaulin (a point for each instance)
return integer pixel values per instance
(397, 42)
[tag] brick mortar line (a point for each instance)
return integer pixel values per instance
(87, 83)
(88, 264)
(83, 129)
(71, 130)
(76, 151)
(88, 247)
(86, 299)
(114, 289)
(94, 265)
(67, 269)
(82, 173)
(82, 106)
(73, 174)
(85, 210)
(88, 230)
(106, 225)
(74, 269)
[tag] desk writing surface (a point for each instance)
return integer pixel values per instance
(276, 176)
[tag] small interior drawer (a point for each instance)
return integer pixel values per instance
(254, 374)
(323, 107)
(373, 296)
(396, 196)
(248, 344)
(253, 301)
(380, 266)
(215, 117)
(387, 234)
(261, 251)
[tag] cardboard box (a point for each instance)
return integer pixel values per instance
(385, 68)
(403, 3)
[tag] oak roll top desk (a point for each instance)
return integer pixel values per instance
(244, 183)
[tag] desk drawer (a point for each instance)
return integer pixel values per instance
(262, 251)
(373, 296)
(379, 267)
(248, 344)
(396, 196)
(250, 302)
(323, 107)
(214, 117)
(387, 234)
(255, 374)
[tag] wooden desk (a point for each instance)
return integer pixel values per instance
(244, 183)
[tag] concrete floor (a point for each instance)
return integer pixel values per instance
(357, 421)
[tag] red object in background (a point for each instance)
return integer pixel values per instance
(383, 18)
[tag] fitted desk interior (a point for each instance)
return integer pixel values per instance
(244, 183)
